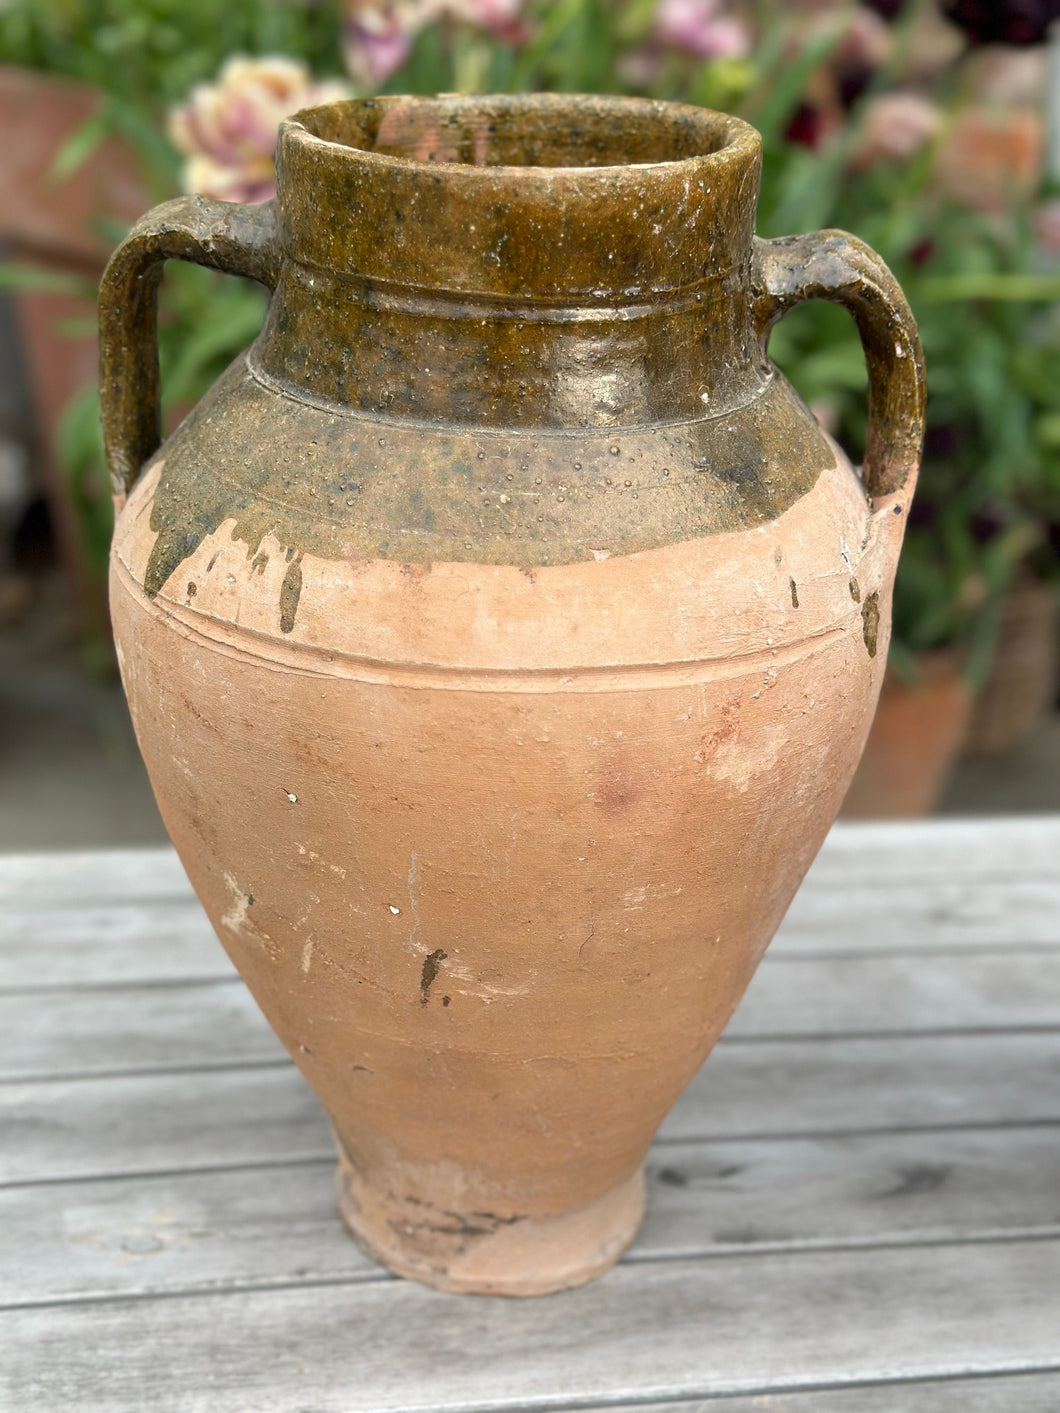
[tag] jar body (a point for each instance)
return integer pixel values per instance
(496, 742)
(498, 848)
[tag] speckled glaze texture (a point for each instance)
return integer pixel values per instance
(501, 634)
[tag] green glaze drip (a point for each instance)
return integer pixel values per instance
(870, 618)
(290, 594)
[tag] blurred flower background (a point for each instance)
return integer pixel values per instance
(931, 128)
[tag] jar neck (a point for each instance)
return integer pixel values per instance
(522, 261)
(429, 355)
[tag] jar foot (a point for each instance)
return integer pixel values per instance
(481, 1253)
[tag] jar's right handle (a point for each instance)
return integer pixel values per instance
(836, 266)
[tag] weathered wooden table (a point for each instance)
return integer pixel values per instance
(855, 1207)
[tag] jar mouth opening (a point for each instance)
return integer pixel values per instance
(536, 133)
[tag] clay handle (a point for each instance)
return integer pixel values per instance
(241, 240)
(836, 266)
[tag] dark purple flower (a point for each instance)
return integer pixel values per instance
(889, 9)
(806, 127)
(1003, 21)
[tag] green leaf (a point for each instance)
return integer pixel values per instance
(78, 148)
(996, 285)
(37, 277)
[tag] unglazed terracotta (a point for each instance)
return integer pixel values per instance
(501, 633)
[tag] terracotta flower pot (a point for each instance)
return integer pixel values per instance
(55, 224)
(501, 633)
(915, 741)
(1021, 686)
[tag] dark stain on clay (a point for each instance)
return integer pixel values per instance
(193, 589)
(855, 591)
(470, 1228)
(794, 593)
(446, 1000)
(431, 967)
(290, 593)
(870, 618)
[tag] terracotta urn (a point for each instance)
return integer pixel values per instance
(501, 633)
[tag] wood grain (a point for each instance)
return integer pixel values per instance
(664, 1330)
(276, 1224)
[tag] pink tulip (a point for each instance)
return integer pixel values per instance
(377, 37)
(895, 127)
(227, 130)
(696, 27)
(501, 18)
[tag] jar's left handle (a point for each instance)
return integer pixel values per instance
(239, 239)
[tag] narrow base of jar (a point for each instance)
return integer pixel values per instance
(486, 1255)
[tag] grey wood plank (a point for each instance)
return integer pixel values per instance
(277, 1224)
(108, 942)
(667, 1330)
(878, 851)
(852, 1085)
(62, 1129)
(80, 877)
(874, 994)
(134, 1028)
(993, 1393)
(66, 1129)
(944, 912)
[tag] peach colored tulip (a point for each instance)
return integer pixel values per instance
(227, 130)
(991, 160)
